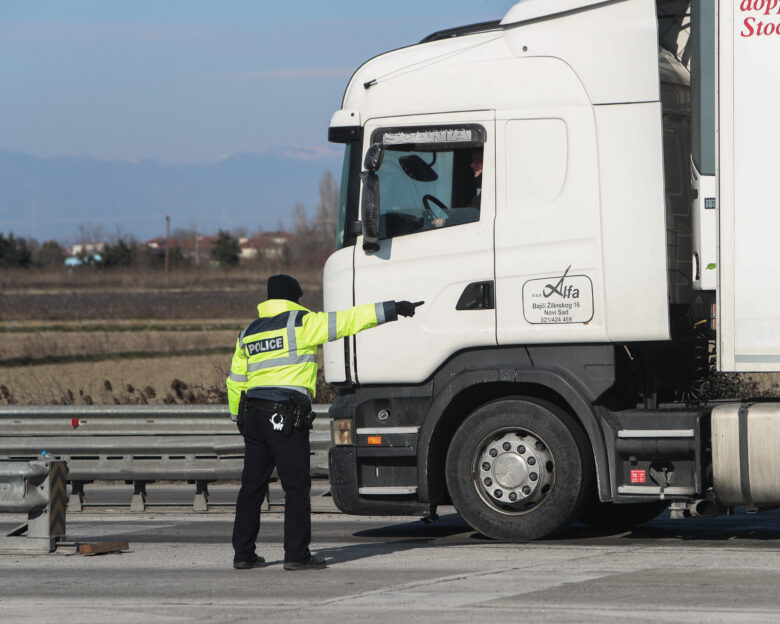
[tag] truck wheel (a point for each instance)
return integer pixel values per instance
(519, 469)
(620, 518)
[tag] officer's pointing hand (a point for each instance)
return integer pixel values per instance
(406, 308)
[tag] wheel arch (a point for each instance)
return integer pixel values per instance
(470, 390)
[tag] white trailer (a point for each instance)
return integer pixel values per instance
(584, 195)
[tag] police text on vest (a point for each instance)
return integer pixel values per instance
(261, 346)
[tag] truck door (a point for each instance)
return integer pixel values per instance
(548, 230)
(436, 212)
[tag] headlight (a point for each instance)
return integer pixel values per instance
(341, 431)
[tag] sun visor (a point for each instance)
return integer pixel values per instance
(431, 138)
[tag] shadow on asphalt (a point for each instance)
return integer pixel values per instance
(341, 554)
(386, 535)
(444, 526)
(763, 526)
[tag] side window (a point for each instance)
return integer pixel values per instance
(429, 184)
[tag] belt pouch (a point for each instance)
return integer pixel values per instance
(289, 421)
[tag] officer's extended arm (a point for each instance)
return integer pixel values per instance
(320, 327)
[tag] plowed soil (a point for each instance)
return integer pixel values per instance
(117, 342)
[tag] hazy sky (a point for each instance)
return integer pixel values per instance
(184, 81)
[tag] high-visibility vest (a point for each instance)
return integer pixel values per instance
(279, 349)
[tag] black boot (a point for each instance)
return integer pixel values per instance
(313, 563)
(255, 562)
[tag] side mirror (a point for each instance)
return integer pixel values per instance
(374, 157)
(369, 209)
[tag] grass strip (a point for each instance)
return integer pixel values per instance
(121, 355)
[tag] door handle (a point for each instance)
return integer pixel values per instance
(477, 296)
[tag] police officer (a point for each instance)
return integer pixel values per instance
(272, 380)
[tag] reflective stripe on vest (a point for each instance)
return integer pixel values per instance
(238, 378)
(332, 326)
(292, 342)
(280, 361)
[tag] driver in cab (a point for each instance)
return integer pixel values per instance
(476, 167)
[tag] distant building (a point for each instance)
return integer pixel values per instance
(196, 249)
(267, 245)
(248, 248)
(83, 249)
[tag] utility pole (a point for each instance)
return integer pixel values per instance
(167, 247)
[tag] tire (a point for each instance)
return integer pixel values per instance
(493, 469)
(620, 518)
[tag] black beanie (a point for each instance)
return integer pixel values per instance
(284, 287)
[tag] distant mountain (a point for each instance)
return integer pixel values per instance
(51, 197)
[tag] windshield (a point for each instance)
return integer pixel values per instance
(349, 191)
(342, 218)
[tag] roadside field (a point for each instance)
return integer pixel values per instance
(67, 346)
(128, 336)
(119, 362)
(90, 295)
(62, 305)
(152, 380)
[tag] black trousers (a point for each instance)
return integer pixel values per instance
(264, 449)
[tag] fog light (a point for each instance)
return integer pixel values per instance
(341, 431)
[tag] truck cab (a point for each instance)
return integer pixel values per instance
(547, 184)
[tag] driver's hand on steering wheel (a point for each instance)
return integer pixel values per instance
(438, 222)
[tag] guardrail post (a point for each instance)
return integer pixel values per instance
(201, 502)
(40, 489)
(77, 496)
(140, 498)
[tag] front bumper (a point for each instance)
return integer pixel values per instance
(342, 467)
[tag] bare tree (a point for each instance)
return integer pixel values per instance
(183, 234)
(300, 220)
(315, 239)
(327, 210)
(239, 232)
(323, 230)
(90, 233)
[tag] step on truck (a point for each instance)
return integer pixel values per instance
(585, 194)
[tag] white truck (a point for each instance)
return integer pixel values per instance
(585, 195)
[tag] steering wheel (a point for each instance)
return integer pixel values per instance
(430, 198)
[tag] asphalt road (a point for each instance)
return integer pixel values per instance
(179, 569)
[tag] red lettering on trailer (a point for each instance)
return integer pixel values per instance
(752, 26)
(760, 6)
(759, 29)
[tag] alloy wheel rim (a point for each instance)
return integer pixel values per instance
(513, 470)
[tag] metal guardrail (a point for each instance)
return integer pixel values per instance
(139, 444)
(38, 489)
(19, 483)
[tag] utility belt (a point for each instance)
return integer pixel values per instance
(286, 415)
